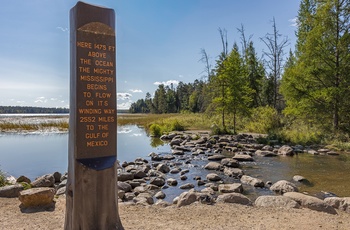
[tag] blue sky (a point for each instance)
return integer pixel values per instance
(158, 41)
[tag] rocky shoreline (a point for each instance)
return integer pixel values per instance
(146, 182)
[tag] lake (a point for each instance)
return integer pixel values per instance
(34, 155)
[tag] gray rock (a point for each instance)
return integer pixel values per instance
(23, 179)
(233, 172)
(139, 174)
(311, 202)
(229, 162)
(121, 185)
(187, 198)
(213, 177)
(160, 195)
(175, 171)
(10, 191)
(162, 203)
(61, 191)
(276, 202)
(230, 188)
(187, 186)
(243, 157)
(286, 150)
(299, 178)
(163, 168)
(265, 153)
(252, 181)
(144, 199)
(37, 197)
(47, 180)
(342, 204)
(234, 198)
(158, 181)
(125, 176)
(213, 166)
(216, 157)
(171, 182)
(57, 176)
(283, 186)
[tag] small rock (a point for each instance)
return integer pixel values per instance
(187, 186)
(229, 188)
(234, 198)
(276, 202)
(283, 186)
(11, 191)
(213, 177)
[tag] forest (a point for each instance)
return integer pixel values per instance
(29, 109)
(304, 94)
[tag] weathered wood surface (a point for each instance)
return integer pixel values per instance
(91, 201)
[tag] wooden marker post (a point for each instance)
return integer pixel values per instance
(91, 201)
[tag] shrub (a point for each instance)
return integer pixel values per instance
(155, 130)
(2, 179)
(263, 120)
(176, 126)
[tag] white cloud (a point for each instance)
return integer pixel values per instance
(124, 105)
(40, 100)
(123, 96)
(166, 83)
(135, 90)
(62, 29)
(294, 22)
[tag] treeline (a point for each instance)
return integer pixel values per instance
(310, 87)
(29, 109)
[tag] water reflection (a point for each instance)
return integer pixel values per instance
(35, 155)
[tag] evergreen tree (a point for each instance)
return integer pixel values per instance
(317, 85)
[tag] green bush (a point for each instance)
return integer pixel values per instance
(2, 179)
(176, 126)
(263, 120)
(155, 130)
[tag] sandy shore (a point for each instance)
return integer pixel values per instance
(195, 216)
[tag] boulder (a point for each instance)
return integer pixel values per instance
(216, 157)
(11, 191)
(265, 153)
(252, 181)
(187, 198)
(233, 172)
(230, 188)
(61, 191)
(276, 202)
(158, 181)
(229, 162)
(213, 166)
(342, 204)
(171, 182)
(286, 150)
(299, 178)
(144, 199)
(187, 186)
(37, 197)
(234, 198)
(121, 185)
(310, 202)
(160, 195)
(213, 177)
(47, 180)
(243, 157)
(57, 176)
(125, 176)
(23, 179)
(283, 186)
(163, 168)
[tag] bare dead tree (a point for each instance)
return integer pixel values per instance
(205, 59)
(274, 62)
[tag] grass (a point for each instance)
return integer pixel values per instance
(2, 179)
(8, 126)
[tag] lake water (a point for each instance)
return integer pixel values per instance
(34, 155)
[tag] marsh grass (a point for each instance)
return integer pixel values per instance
(9, 126)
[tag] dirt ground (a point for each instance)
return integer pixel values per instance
(195, 216)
